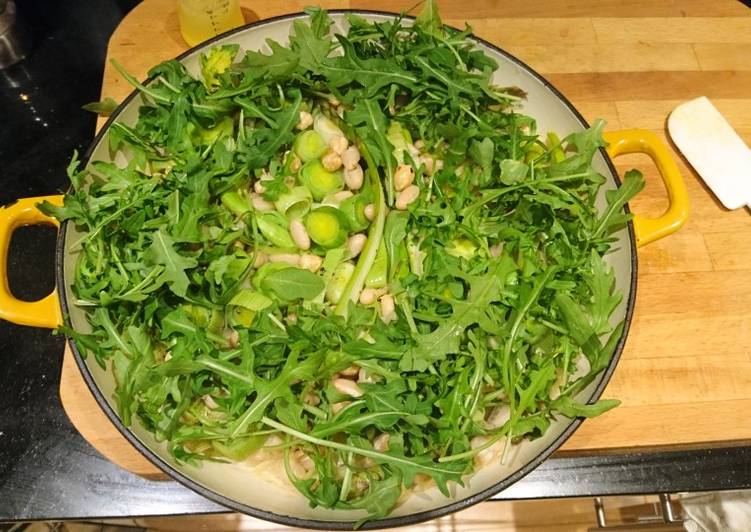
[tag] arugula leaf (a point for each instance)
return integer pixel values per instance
(429, 20)
(447, 337)
(320, 22)
(290, 413)
(380, 499)
(281, 62)
(583, 144)
(513, 171)
(187, 227)
(613, 218)
(482, 152)
(226, 266)
(103, 108)
(162, 251)
(571, 408)
(370, 73)
(394, 233)
(601, 281)
(311, 45)
(263, 144)
(158, 94)
(268, 391)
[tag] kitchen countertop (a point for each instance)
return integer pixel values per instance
(47, 471)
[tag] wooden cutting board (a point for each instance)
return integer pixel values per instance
(685, 375)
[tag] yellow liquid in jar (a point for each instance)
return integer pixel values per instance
(203, 19)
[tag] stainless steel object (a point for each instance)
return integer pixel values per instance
(14, 40)
(661, 515)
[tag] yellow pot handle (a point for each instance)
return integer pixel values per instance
(46, 311)
(643, 141)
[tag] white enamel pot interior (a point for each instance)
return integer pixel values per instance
(261, 490)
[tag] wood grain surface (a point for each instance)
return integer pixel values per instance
(685, 374)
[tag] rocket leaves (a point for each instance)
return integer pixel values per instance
(162, 251)
(447, 338)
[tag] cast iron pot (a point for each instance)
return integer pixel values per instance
(240, 487)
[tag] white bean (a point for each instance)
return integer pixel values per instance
(370, 211)
(337, 197)
(387, 308)
(498, 417)
(301, 464)
(353, 178)
(311, 262)
(265, 176)
(478, 441)
(338, 144)
(338, 407)
(350, 157)
(306, 461)
(299, 234)
(368, 296)
(432, 165)
(407, 196)
(331, 161)
(347, 387)
(209, 401)
(311, 399)
(429, 163)
(355, 244)
(295, 164)
(306, 120)
(381, 443)
(351, 371)
(233, 337)
(260, 204)
(364, 376)
(260, 259)
(413, 151)
(404, 176)
(287, 258)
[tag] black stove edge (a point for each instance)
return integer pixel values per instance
(98, 489)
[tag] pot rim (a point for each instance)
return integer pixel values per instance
(387, 522)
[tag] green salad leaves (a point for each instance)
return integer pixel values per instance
(353, 252)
